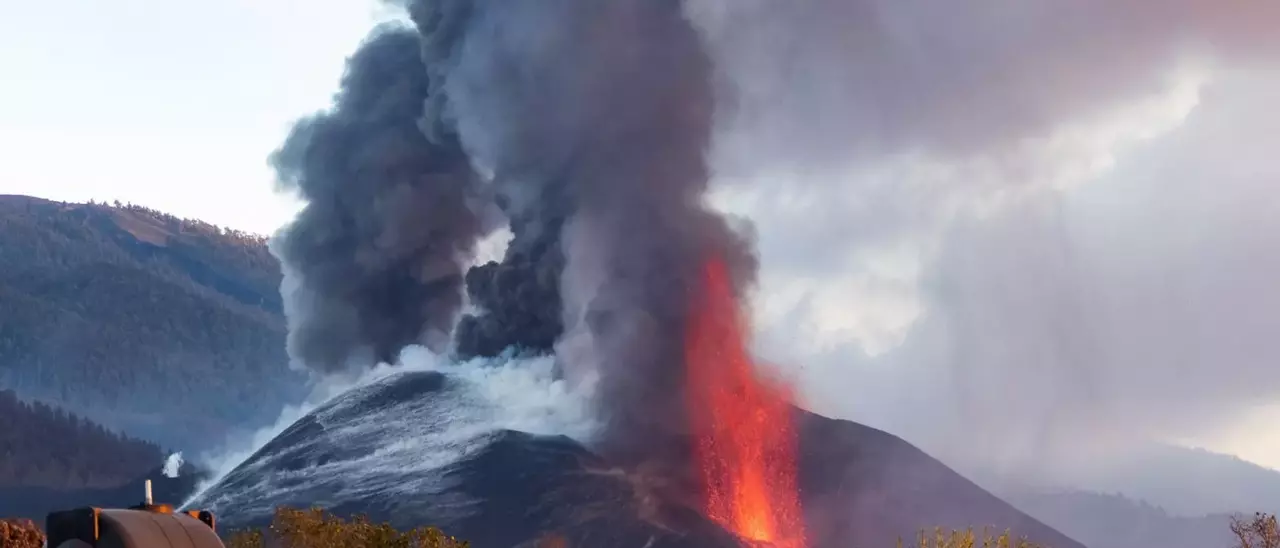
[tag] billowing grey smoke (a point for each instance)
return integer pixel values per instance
(375, 260)
(591, 121)
(594, 118)
(518, 298)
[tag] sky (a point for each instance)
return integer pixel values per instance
(1067, 209)
(1021, 233)
(171, 104)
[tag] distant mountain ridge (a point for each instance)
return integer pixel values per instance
(1207, 482)
(1156, 494)
(1180, 481)
(1115, 521)
(131, 316)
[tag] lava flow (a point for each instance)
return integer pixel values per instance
(745, 441)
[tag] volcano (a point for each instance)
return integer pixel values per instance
(585, 126)
(431, 447)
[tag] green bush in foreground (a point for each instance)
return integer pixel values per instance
(316, 528)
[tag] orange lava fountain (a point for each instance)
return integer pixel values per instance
(745, 441)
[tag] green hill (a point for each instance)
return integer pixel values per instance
(133, 316)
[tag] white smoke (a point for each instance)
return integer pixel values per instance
(524, 394)
(503, 394)
(172, 464)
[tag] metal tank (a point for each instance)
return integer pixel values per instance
(147, 525)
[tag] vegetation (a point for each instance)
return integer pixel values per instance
(22, 533)
(968, 539)
(316, 528)
(43, 446)
(1260, 531)
(126, 313)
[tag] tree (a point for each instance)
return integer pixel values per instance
(128, 315)
(45, 446)
(1262, 531)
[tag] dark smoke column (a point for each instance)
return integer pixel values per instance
(594, 116)
(375, 260)
(518, 298)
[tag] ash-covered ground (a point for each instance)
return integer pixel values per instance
(497, 452)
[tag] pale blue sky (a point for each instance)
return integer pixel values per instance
(173, 104)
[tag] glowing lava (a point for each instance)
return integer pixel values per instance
(746, 443)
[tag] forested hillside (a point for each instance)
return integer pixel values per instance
(43, 446)
(170, 329)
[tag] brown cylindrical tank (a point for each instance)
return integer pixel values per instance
(144, 529)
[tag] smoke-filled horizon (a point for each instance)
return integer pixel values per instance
(1068, 211)
(1010, 234)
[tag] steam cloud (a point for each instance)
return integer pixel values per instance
(172, 465)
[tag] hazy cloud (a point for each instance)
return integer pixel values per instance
(1010, 226)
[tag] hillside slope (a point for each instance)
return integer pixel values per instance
(1115, 521)
(43, 446)
(1207, 482)
(54, 460)
(440, 448)
(132, 316)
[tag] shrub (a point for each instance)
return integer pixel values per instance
(967, 539)
(20, 533)
(316, 528)
(1261, 531)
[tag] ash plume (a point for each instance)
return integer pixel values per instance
(375, 260)
(591, 122)
(519, 297)
(594, 118)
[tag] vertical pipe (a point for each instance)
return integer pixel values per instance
(148, 486)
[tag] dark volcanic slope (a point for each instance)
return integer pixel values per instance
(865, 487)
(427, 448)
(422, 448)
(126, 315)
